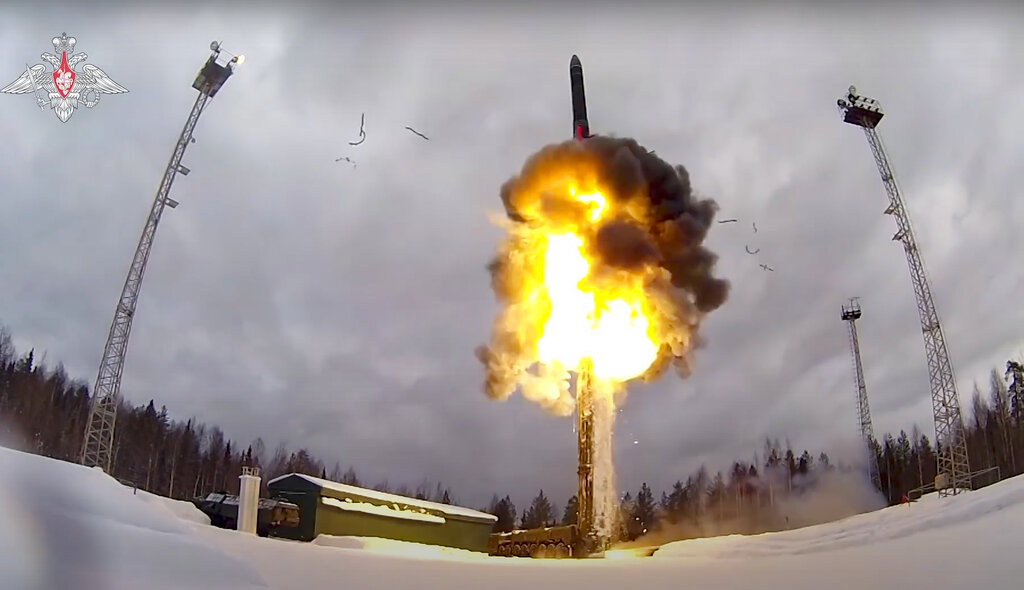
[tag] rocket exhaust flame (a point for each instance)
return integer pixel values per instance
(603, 263)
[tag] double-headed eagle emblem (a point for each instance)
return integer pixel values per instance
(65, 88)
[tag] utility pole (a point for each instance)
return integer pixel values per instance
(850, 314)
(97, 449)
(953, 473)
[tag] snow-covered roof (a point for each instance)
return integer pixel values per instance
(382, 510)
(446, 509)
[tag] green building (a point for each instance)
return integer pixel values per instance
(330, 508)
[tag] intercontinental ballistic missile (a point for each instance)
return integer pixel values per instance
(580, 123)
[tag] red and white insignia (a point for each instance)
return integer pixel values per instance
(65, 88)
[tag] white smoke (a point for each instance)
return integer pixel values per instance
(835, 495)
(549, 388)
(606, 506)
(823, 495)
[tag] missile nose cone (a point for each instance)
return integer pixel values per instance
(575, 61)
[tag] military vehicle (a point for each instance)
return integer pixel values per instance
(272, 514)
(548, 542)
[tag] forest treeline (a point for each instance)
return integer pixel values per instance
(44, 411)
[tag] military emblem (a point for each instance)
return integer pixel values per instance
(65, 88)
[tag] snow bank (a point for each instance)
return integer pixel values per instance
(894, 522)
(403, 549)
(186, 511)
(68, 526)
(980, 552)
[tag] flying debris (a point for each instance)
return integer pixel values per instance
(767, 268)
(362, 131)
(755, 227)
(417, 133)
(346, 159)
(724, 220)
(747, 248)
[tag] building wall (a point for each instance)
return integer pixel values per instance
(316, 518)
(453, 533)
(307, 501)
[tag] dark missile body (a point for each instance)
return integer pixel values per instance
(580, 123)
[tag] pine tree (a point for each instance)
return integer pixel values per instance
(626, 507)
(572, 508)
(539, 513)
(699, 489)
(927, 459)
(505, 510)
(805, 464)
(1015, 374)
(1000, 417)
(673, 505)
(791, 467)
(644, 512)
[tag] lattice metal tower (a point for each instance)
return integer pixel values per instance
(953, 468)
(850, 314)
(97, 449)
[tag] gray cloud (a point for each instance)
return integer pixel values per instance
(294, 298)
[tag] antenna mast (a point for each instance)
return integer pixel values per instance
(97, 450)
(953, 468)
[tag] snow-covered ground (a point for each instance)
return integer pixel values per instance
(179, 508)
(66, 526)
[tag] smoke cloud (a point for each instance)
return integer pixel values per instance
(825, 497)
(654, 228)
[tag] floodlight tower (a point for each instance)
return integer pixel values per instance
(953, 473)
(97, 450)
(850, 314)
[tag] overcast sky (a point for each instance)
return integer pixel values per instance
(337, 307)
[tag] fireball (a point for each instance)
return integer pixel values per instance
(601, 270)
(607, 326)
